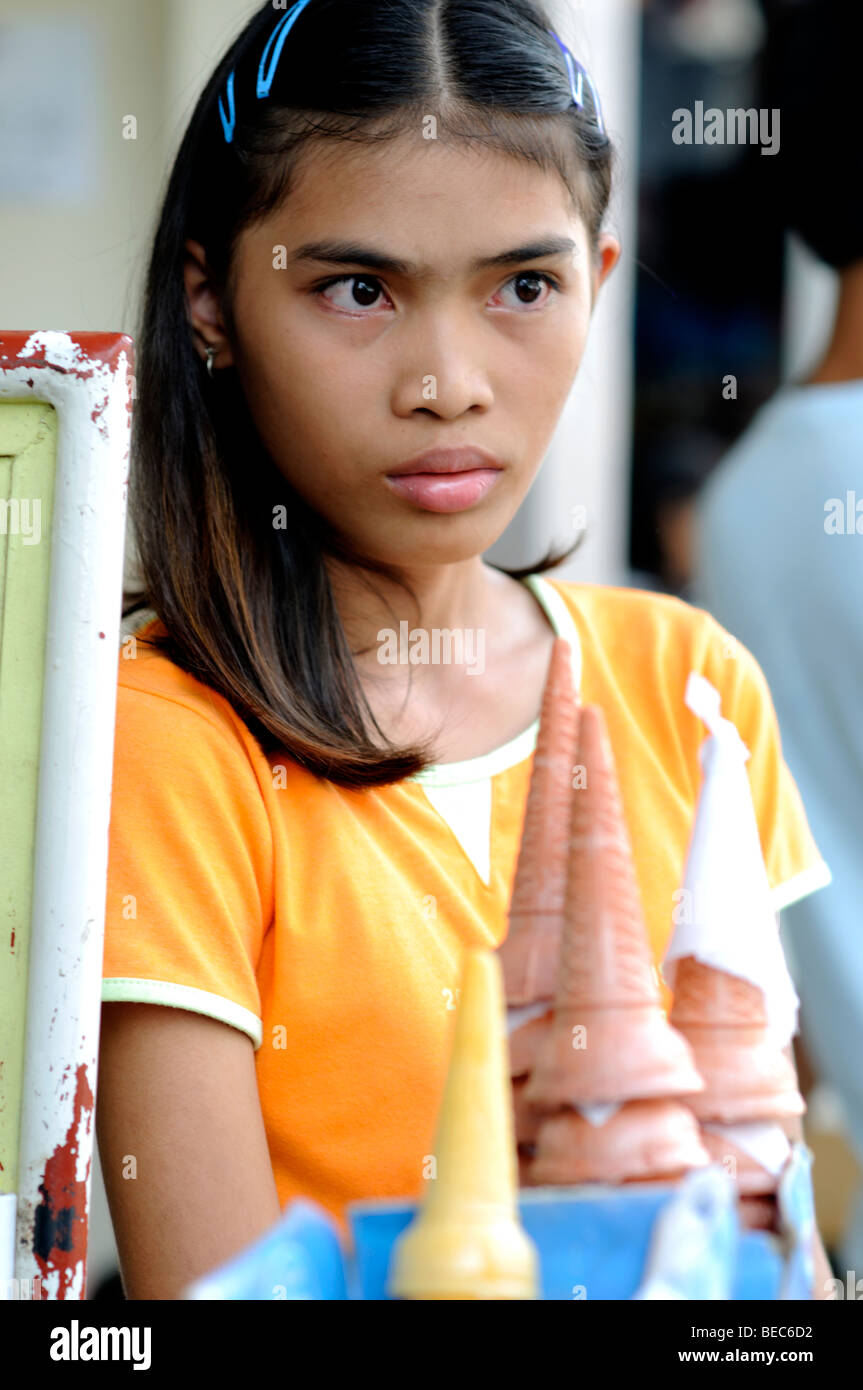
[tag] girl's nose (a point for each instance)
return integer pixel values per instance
(442, 374)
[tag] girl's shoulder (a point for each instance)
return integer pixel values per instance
(157, 697)
(640, 627)
(615, 599)
(637, 650)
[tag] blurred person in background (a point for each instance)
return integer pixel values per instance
(779, 541)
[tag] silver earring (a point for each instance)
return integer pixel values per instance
(211, 353)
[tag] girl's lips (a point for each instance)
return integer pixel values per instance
(445, 492)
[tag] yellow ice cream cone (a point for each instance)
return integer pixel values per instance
(467, 1242)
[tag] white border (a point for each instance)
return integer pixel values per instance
(801, 885)
(132, 990)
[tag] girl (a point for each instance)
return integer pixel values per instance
(369, 293)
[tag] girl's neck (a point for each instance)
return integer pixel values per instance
(459, 596)
(418, 697)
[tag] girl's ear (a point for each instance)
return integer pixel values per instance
(605, 258)
(204, 306)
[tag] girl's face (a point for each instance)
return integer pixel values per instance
(352, 367)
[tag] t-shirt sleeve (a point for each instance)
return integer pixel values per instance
(189, 864)
(795, 867)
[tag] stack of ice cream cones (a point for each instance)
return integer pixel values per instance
(749, 1082)
(608, 1075)
(529, 955)
(597, 1069)
(605, 1087)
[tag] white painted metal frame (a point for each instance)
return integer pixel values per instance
(93, 399)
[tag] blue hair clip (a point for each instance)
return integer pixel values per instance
(576, 82)
(229, 118)
(278, 36)
(265, 80)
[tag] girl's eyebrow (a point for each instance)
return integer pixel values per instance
(348, 253)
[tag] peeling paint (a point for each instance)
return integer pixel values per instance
(60, 1221)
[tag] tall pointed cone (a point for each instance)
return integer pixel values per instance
(467, 1241)
(530, 951)
(724, 1017)
(609, 1039)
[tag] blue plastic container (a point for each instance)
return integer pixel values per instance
(594, 1242)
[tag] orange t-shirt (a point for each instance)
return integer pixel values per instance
(329, 924)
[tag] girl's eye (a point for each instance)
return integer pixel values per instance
(366, 289)
(525, 284)
(360, 292)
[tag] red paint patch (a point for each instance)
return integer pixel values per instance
(60, 1221)
(95, 349)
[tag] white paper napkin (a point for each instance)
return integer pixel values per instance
(725, 916)
(768, 1144)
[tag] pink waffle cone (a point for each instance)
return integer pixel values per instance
(629, 1054)
(750, 1178)
(747, 1077)
(525, 1042)
(526, 1119)
(644, 1141)
(607, 983)
(530, 950)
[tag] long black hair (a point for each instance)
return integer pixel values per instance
(244, 606)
